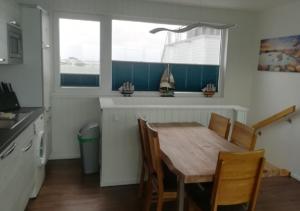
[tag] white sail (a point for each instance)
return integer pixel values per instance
(167, 80)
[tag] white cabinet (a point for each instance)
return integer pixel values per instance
(8, 188)
(26, 168)
(37, 57)
(17, 171)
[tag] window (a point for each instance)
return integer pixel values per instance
(131, 41)
(129, 52)
(140, 57)
(79, 48)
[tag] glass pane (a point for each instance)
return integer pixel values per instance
(132, 41)
(79, 47)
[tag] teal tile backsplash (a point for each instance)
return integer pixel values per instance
(146, 76)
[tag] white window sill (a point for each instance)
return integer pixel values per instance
(97, 92)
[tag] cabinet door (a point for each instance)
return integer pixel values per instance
(46, 60)
(16, 180)
(9, 158)
(27, 169)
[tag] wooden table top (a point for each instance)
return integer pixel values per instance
(191, 150)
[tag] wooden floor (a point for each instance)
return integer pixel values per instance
(66, 189)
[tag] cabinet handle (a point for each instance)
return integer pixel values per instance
(25, 149)
(2, 60)
(8, 152)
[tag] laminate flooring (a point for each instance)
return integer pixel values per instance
(67, 189)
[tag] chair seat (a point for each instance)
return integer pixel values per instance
(202, 197)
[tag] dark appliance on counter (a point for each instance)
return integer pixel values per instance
(8, 98)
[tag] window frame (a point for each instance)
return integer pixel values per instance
(223, 56)
(105, 75)
(57, 77)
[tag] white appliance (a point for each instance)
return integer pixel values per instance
(40, 154)
(11, 43)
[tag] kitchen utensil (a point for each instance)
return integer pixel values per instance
(8, 98)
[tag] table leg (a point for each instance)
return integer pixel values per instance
(181, 193)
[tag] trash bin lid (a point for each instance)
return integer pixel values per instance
(89, 131)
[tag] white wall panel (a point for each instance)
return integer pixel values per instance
(9, 10)
(69, 115)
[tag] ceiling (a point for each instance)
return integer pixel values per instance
(252, 5)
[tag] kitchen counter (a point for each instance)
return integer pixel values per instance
(8, 135)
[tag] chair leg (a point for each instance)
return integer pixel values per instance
(251, 207)
(160, 202)
(148, 198)
(142, 182)
(215, 207)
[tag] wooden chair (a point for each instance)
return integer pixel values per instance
(145, 154)
(236, 182)
(156, 180)
(243, 136)
(219, 124)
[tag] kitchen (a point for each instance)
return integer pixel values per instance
(37, 82)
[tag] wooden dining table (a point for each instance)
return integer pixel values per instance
(191, 150)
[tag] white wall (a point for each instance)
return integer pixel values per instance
(68, 116)
(273, 91)
(9, 10)
(241, 55)
(241, 49)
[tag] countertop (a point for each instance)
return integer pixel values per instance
(8, 135)
(160, 102)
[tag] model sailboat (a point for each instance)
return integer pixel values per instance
(167, 83)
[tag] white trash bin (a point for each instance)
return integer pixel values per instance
(88, 137)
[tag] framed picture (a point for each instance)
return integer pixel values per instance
(280, 54)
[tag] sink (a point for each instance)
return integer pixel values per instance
(12, 123)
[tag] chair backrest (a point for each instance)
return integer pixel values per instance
(237, 178)
(243, 136)
(154, 147)
(144, 141)
(219, 124)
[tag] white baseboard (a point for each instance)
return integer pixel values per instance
(63, 157)
(295, 176)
